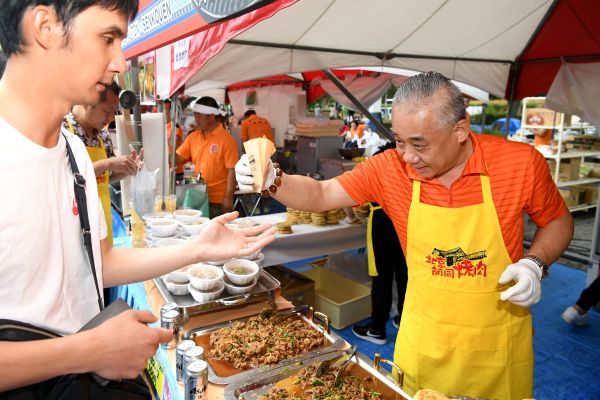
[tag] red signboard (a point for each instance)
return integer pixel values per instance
(161, 22)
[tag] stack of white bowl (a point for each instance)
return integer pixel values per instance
(206, 282)
(240, 276)
(191, 221)
(177, 282)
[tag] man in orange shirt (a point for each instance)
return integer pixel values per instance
(214, 153)
(254, 126)
(457, 201)
(541, 135)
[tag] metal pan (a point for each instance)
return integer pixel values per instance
(222, 373)
(264, 290)
(260, 384)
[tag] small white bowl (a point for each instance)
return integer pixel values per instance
(163, 227)
(170, 242)
(219, 262)
(204, 296)
(252, 256)
(195, 227)
(176, 288)
(235, 290)
(259, 259)
(241, 272)
(205, 277)
(187, 215)
(155, 216)
(246, 222)
(155, 239)
(177, 276)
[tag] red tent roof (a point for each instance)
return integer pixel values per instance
(571, 30)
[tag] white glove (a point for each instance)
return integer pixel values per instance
(243, 175)
(528, 289)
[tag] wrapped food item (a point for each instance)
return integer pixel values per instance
(259, 153)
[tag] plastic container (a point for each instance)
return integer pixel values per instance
(343, 300)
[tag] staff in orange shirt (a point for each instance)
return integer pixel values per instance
(541, 135)
(254, 126)
(457, 202)
(214, 152)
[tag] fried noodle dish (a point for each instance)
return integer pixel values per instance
(263, 340)
(306, 386)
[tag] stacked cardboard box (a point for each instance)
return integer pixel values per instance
(584, 142)
(568, 169)
(590, 195)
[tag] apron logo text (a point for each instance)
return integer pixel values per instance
(456, 263)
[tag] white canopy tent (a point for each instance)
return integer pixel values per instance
(409, 34)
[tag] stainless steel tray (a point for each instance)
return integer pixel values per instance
(333, 342)
(264, 290)
(260, 384)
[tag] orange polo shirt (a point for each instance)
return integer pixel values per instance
(212, 155)
(545, 138)
(519, 178)
(179, 133)
(256, 127)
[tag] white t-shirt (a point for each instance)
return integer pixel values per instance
(45, 277)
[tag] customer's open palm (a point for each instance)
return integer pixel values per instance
(218, 242)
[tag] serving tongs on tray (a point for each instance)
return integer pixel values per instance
(326, 365)
(259, 385)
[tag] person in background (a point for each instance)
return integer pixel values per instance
(62, 53)
(178, 139)
(254, 126)
(333, 113)
(214, 153)
(318, 110)
(577, 313)
(89, 123)
(457, 202)
(542, 136)
(355, 133)
(386, 262)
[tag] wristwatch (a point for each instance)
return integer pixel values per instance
(540, 263)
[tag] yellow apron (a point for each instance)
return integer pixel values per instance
(456, 335)
(370, 253)
(103, 180)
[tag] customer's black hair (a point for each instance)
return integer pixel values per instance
(249, 113)
(2, 63)
(12, 11)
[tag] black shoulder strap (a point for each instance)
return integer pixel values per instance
(83, 216)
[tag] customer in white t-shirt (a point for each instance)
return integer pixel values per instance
(45, 273)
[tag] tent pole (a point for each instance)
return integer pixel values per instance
(137, 114)
(173, 155)
(160, 105)
(380, 127)
(514, 69)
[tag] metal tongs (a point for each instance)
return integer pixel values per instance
(268, 313)
(342, 368)
(325, 365)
